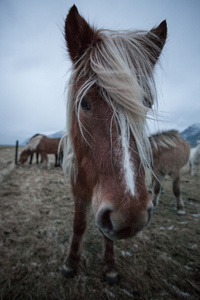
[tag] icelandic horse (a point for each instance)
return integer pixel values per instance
(194, 161)
(107, 149)
(42, 145)
(30, 149)
(170, 153)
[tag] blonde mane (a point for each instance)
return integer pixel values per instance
(121, 65)
(165, 139)
(33, 143)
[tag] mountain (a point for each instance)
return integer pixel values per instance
(192, 134)
(57, 134)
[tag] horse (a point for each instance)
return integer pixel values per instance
(41, 145)
(106, 148)
(30, 149)
(170, 153)
(194, 160)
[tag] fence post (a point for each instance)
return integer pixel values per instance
(16, 152)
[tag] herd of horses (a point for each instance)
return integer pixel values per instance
(106, 151)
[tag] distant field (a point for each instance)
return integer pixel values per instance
(7, 159)
(36, 219)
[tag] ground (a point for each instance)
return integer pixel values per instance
(36, 217)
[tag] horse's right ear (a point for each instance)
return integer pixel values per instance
(78, 34)
(158, 37)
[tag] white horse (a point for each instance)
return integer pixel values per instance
(195, 160)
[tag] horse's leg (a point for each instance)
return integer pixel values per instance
(60, 159)
(192, 169)
(110, 272)
(157, 181)
(37, 156)
(177, 193)
(31, 158)
(45, 160)
(71, 264)
(196, 166)
(47, 164)
(42, 158)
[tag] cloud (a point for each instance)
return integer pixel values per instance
(34, 62)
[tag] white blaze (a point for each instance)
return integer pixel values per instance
(127, 163)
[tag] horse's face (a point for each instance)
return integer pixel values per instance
(109, 169)
(23, 157)
(108, 173)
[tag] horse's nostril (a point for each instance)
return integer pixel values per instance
(104, 220)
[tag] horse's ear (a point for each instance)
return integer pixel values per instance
(157, 36)
(78, 34)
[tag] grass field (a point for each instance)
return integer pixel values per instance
(36, 217)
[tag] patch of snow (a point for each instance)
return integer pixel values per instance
(111, 294)
(196, 215)
(125, 253)
(181, 293)
(193, 246)
(170, 227)
(127, 293)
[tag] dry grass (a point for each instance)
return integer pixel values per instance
(36, 210)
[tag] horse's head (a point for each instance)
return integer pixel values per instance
(24, 156)
(110, 92)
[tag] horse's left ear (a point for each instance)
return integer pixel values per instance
(78, 34)
(157, 36)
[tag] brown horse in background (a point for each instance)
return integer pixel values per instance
(43, 145)
(170, 153)
(107, 148)
(30, 149)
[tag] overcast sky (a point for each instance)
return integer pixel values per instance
(34, 65)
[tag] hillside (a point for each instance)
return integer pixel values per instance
(192, 134)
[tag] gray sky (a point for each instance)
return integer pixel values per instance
(34, 63)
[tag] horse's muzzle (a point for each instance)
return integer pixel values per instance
(116, 226)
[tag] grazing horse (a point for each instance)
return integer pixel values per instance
(41, 145)
(30, 149)
(170, 153)
(107, 150)
(195, 160)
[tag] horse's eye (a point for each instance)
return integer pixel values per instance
(84, 104)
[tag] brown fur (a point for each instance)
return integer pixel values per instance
(45, 146)
(170, 153)
(97, 146)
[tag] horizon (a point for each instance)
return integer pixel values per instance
(49, 134)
